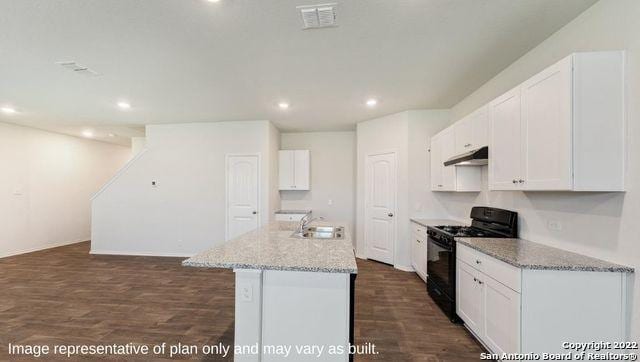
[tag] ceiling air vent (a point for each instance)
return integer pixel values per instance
(318, 16)
(78, 69)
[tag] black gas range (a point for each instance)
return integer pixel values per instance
(487, 222)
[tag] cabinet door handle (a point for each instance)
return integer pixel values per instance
(475, 280)
(478, 262)
(521, 181)
(390, 214)
(480, 282)
(254, 212)
(514, 181)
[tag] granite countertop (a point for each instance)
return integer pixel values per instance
(529, 255)
(307, 211)
(436, 222)
(272, 247)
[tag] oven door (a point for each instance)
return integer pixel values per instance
(440, 265)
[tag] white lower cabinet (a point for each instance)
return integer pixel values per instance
(289, 217)
(469, 299)
(418, 241)
(513, 310)
(501, 322)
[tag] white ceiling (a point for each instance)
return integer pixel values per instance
(193, 60)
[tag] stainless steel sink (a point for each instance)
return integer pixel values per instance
(325, 229)
(320, 232)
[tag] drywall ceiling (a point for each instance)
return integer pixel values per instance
(195, 60)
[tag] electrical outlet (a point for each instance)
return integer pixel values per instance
(554, 225)
(246, 292)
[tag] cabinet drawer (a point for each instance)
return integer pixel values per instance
(496, 269)
(289, 217)
(419, 230)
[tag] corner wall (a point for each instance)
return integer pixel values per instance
(408, 134)
(46, 186)
(186, 212)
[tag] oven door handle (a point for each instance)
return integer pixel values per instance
(444, 246)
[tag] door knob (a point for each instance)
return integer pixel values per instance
(390, 214)
(255, 212)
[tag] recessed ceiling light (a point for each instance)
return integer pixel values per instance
(372, 102)
(87, 133)
(213, 1)
(124, 105)
(8, 110)
(283, 105)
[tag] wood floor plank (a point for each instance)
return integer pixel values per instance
(67, 296)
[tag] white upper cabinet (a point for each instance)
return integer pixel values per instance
(563, 129)
(451, 178)
(480, 128)
(505, 149)
(294, 169)
(447, 143)
(472, 131)
(436, 163)
(464, 135)
(546, 129)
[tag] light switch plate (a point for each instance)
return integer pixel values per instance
(554, 225)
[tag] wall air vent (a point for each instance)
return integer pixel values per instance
(318, 16)
(78, 69)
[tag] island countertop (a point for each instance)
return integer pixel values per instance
(271, 247)
(530, 255)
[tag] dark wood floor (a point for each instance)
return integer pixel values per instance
(67, 296)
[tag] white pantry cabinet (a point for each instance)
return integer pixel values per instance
(563, 129)
(451, 178)
(472, 131)
(418, 240)
(513, 310)
(294, 167)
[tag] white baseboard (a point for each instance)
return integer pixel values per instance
(404, 268)
(40, 248)
(360, 256)
(139, 253)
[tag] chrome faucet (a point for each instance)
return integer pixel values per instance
(306, 221)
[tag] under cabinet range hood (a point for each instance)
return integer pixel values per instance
(477, 157)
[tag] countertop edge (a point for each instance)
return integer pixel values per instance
(186, 263)
(614, 268)
(432, 222)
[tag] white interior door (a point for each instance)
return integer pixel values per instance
(242, 194)
(380, 206)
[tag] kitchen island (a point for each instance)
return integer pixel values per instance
(292, 294)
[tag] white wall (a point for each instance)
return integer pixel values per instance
(186, 212)
(407, 133)
(137, 145)
(333, 163)
(603, 225)
(423, 124)
(46, 185)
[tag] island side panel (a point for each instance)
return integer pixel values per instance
(248, 313)
(306, 308)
